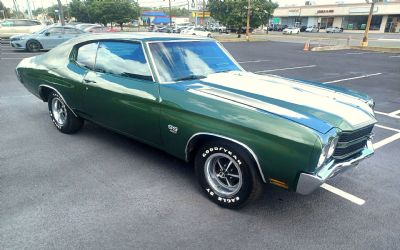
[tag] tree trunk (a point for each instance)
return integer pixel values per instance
(120, 25)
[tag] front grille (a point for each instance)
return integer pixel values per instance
(351, 136)
(351, 143)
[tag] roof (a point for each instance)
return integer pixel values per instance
(143, 36)
(153, 13)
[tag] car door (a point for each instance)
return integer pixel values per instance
(52, 37)
(121, 94)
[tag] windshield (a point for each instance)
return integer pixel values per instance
(177, 61)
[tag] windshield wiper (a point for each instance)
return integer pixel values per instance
(190, 77)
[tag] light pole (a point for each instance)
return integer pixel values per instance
(364, 42)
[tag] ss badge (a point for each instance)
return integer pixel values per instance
(173, 129)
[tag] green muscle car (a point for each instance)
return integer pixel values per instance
(190, 98)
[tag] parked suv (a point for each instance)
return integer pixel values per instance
(11, 27)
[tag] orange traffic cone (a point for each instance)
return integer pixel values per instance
(307, 46)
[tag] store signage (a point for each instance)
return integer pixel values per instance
(294, 12)
(324, 11)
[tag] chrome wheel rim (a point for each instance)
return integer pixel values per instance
(223, 174)
(33, 46)
(59, 111)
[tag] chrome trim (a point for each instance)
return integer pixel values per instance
(307, 183)
(47, 86)
(229, 139)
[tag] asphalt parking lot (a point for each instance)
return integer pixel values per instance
(100, 190)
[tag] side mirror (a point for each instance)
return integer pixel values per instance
(47, 33)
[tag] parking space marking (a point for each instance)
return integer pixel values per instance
(299, 67)
(394, 56)
(343, 194)
(397, 112)
(255, 61)
(352, 78)
(12, 58)
(21, 53)
(386, 141)
(387, 114)
(384, 127)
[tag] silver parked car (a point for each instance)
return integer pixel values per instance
(334, 30)
(45, 39)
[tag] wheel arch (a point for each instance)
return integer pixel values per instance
(45, 91)
(197, 139)
(31, 40)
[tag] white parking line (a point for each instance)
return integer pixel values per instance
(397, 112)
(343, 194)
(12, 58)
(386, 141)
(255, 61)
(352, 78)
(21, 53)
(394, 56)
(387, 114)
(384, 127)
(299, 67)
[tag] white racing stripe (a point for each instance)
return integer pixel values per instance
(343, 194)
(255, 61)
(386, 141)
(352, 78)
(299, 67)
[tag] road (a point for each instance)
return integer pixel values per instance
(100, 190)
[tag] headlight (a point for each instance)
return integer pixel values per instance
(327, 151)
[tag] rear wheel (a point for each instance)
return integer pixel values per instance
(227, 176)
(33, 46)
(62, 117)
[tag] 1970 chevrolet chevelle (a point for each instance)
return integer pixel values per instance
(190, 98)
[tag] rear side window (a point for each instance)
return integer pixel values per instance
(124, 59)
(72, 31)
(87, 55)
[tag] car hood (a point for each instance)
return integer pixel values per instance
(313, 105)
(21, 36)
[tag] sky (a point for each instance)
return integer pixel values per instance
(22, 4)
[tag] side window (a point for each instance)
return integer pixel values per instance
(71, 31)
(55, 31)
(124, 59)
(87, 55)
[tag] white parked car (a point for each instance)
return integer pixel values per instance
(196, 32)
(312, 29)
(11, 27)
(45, 39)
(334, 30)
(291, 30)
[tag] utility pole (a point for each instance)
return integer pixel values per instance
(248, 21)
(170, 17)
(204, 6)
(61, 13)
(364, 42)
(29, 9)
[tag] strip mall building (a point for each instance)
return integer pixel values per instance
(350, 17)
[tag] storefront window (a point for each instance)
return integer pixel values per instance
(360, 22)
(326, 22)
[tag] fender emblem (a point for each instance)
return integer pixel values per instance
(173, 129)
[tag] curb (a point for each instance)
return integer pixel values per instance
(378, 49)
(329, 48)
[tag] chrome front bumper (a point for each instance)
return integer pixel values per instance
(309, 182)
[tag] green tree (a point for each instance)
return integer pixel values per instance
(234, 12)
(80, 10)
(7, 12)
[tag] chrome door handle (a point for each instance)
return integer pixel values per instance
(89, 81)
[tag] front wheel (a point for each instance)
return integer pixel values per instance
(33, 46)
(61, 116)
(227, 176)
